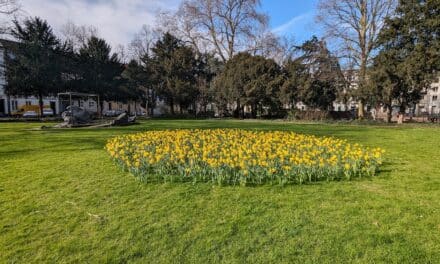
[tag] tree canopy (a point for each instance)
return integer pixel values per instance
(249, 80)
(100, 69)
(34, 67)
(409, 58)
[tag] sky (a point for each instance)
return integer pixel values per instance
(119, 20)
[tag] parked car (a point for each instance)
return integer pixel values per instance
(48, 112)
(30, 114)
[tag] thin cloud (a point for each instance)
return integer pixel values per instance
(296, 22)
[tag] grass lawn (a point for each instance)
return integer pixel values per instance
(62, 200)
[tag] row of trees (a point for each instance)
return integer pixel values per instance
(180, 76)
(40, 64)
(171, 70)
(220, 51)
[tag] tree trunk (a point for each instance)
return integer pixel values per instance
(195, 109)
(401, 115)
(238, 115)
(135, 108)
(361, 110)
(172, 106)
(254, 110)
(8, 99)
(364, 57)
(389, 113)
(40, 101)
(101, 108)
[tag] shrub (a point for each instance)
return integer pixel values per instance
(314, 115)
(243, 157)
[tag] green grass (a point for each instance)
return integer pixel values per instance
(62, 200)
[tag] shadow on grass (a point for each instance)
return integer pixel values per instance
(154, 179)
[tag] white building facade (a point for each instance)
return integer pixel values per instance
(430, 103)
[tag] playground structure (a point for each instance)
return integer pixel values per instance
(88, 102)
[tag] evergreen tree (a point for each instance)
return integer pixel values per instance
(100, 70)
(249, 81)
(174, 72)
(316, 74)
(35, 66)
(295, 76)
(409, 58)
(208, 66)
(135, 82)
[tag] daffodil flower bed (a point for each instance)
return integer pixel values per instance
(232, 156)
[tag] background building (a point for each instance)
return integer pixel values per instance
(430, 103)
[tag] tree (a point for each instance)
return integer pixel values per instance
(223, 25)
(315, 77)
(140, 50)
(100, 70)
(295, 77)
(141, 45)
(136, 83)
(248, 80)
(355, 25)
(174, 66)
(77, 36)
(208, 66)
(409, 58)
(35, 67)
(270, 45)
(8, 7)
(182, 25)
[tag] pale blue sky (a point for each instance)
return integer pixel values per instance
(119, 20)
(292, 17)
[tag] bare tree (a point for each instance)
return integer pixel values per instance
(76, 35)
(355, 26)
(122, 53)
(9, 7)
(140, 46)
(270, 45)
(181, 25)
(225, 26)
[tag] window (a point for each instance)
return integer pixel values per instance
(435, 89)
(91, 104)
(434, 98)
(81, 103)
(28, 102)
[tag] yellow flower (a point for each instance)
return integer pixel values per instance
(226, 151)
